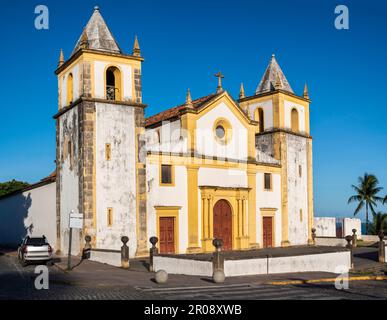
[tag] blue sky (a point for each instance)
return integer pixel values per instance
(184, 44)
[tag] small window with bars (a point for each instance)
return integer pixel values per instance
(108, 152)
(267, 181)
(166, 174)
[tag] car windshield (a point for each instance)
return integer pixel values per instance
(36, 241)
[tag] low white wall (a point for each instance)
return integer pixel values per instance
(112, 258)
(32, 213)
(325, 227)
(235, 268)
(183, 266)
(370, 238)
(330, 242)
(324, 262)
(350, 224)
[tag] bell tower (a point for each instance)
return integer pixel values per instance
(100, 127)
(284, 133)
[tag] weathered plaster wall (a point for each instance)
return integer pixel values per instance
(165, 196)
(269, 200)
(69, 176)
(207, 145)
(116, 179)
(32, 213)
(288, 107)
(126, 79)
(325, 227)
(297, 189)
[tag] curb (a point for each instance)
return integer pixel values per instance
(328, 280)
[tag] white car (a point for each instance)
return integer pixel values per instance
(34, 249)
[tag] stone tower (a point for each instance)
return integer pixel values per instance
(284, 133)
(100, 127)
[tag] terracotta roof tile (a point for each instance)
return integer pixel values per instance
(175, 111)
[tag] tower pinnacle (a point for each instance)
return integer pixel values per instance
(136, 48)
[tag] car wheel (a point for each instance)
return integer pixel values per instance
(23, 262)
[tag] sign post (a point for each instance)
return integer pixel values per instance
(75, 222)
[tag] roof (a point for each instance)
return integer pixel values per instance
(98, 35)
(175, 111)
(270, 79)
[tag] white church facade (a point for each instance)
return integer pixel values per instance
(214, 167)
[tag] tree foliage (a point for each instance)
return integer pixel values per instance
(11, 186)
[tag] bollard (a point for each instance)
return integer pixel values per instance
(87, 249)
(153, 252)
(354, 238)
(125, 253)
(349, 246)
(314, 236)
(218, 262)
(382, 248)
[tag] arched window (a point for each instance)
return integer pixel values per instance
(295, 120)
(259, 116)
(70, 89)
(113, 84)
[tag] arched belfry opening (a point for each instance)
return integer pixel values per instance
(259, 116)
(70, 89)
(295, 120)
(113, 84)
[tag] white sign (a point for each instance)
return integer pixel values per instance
(76, 220)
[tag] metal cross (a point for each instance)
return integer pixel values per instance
(220, 76)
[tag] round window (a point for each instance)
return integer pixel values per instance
(220, 132)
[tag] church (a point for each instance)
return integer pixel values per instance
(211, 167)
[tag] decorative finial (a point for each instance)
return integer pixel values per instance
(306, 92)
(61, 58)
(278, 82)
(84, 40)
(136, 48)
(96, 8)
(273, 55)
(188, 100)
(242, 92)
(220, 76)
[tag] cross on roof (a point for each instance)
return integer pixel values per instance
(220, 76)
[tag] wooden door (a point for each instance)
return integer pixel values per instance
(267, 232)
(223, 223)
(167, 235)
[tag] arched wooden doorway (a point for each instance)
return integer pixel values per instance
(223, 223)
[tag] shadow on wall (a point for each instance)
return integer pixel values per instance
(13, 214)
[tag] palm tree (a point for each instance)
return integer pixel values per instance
(366, 195)
(379, 223)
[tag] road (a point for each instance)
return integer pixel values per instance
(18, 283)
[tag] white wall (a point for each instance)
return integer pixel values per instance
(350, 224)
(325, 227)
(116, 179)
(269, 199)
(175, 196)
(32, 213)
(99, 79)
(297, 190)
(206, 142)
(69, 179)
(227, 178)
(288, 107)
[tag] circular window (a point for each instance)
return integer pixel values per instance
(220, 132)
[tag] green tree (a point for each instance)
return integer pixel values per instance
(11, 186)
(366, 195)
(379, 222)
